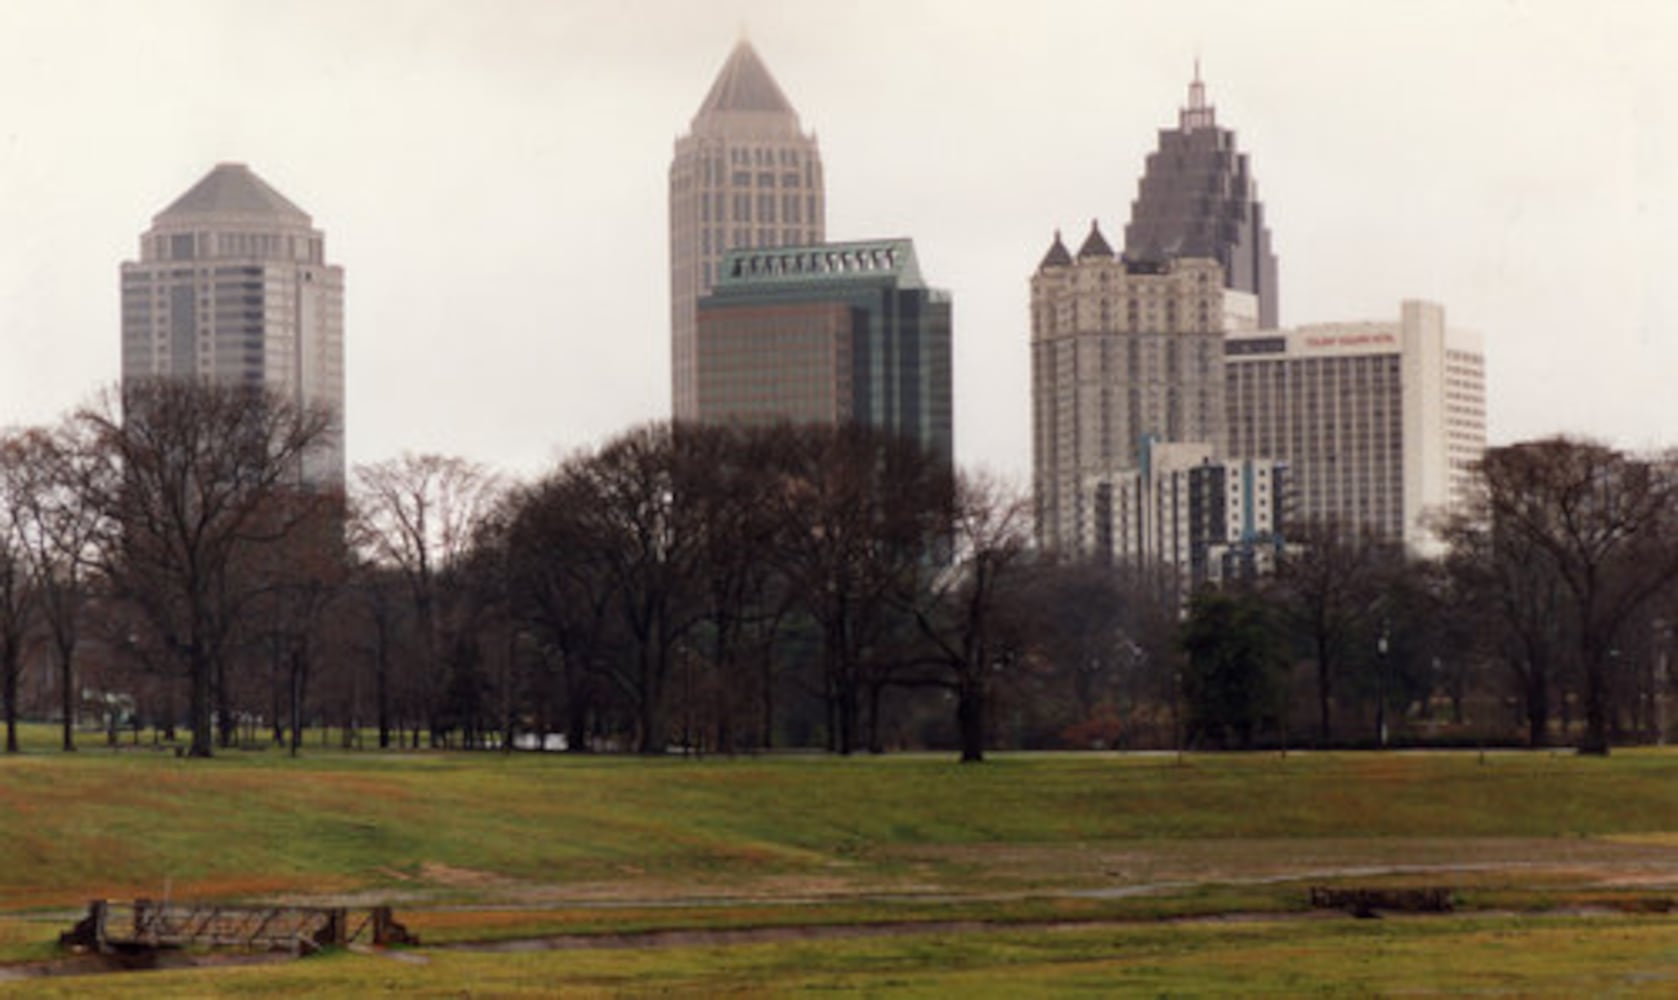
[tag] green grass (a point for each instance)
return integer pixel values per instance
(478, 826)
(1071, 861)
(1498, 956)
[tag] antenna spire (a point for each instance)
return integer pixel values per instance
(1198, 114)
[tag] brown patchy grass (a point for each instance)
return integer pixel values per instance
(532, 831)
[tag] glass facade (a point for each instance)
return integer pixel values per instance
(827, 333)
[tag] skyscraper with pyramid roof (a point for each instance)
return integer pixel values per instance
(745, 175)
(1197, 198)
(232, 284)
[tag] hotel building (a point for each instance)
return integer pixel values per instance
(1379, 423)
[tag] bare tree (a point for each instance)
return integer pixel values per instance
(376, 606)
(960, 611)
(193, 477)
(298, 581)
(645, 543)
(1607, 526)
(1330, 579)
(744, 600)
(865, 509)
(19, 598)
(418, 515)
(1510, 586)
(56, 470)
(558, 588)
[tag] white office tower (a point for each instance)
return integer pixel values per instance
(1379, 423)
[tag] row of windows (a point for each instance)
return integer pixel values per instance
(206, 245)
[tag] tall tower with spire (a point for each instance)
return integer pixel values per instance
(1197, 198)
(232, 285)
(745, 175)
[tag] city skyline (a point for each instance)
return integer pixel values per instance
(493, 179)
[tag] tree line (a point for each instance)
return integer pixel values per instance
(165, 566)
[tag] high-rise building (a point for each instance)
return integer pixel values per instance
(745, 175)
(232, 284)
(1121, 352)
(1379, 423)
(1197, 198)
(1189, 518)
(829, 333)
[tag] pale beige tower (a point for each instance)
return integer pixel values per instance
(232, 284)
(745, 175)
(1122, 354)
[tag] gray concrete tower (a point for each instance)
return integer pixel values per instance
(232, 284)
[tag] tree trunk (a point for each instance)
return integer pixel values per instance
(1596, 706)
(1538, 705)
(381, 683)
(767, 742)
(970, 719)
(299, 662)
(876, 743)
(203, 738)
(67, 692)
(223, 696)
(576, 709)
(1324, 727)
(652, 703)
(10, 684)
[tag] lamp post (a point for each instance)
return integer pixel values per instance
(1381, 686)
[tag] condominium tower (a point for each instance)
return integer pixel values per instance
(1190, 518)
(232, 284)
(829, 333)
(1197, 198)
(1122, 352)
(745, 175)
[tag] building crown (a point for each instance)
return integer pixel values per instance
(1058, 255)
(233, 189)
(744, 84)
(1095, 245)
(1198, 114)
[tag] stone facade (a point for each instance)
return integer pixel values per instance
(1120, 353)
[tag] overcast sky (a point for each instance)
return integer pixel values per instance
(491, 176)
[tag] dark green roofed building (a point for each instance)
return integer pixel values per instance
(827, 333)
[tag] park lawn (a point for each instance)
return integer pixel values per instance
(437, 827)
(1438, 957)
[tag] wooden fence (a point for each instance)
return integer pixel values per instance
(115, 926)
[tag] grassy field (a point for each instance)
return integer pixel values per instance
(477, 847)
(1486, 956)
